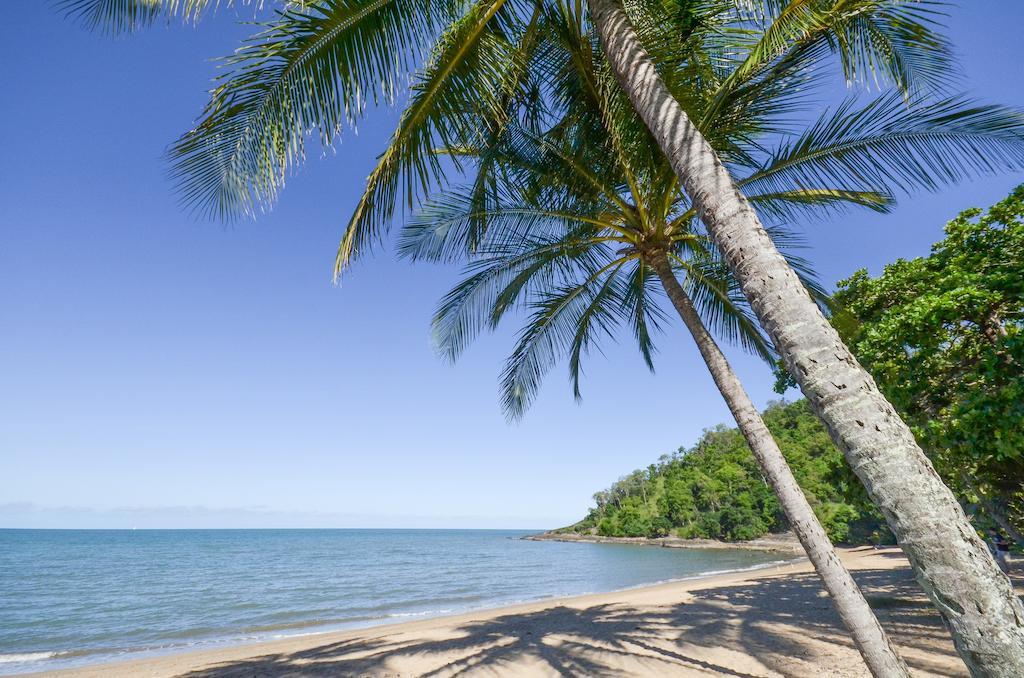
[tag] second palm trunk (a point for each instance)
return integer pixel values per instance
(867, 633)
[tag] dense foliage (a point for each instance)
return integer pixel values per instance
(715, 490)
(943, 336)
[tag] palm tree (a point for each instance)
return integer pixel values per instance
(318, 63)
(588, 213)
(951, 562)
(581, 249)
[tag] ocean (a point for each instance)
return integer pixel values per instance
(73, 597)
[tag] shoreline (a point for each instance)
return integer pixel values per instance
(397, 620)
(785, 542)
(524, 638)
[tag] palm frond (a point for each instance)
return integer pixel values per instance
(892, 147)
(495, 283)
(646, 315)
(445, 228)
(520, 82)
(563, 316)
(313, 68)
(128, 16)
(600, 316)
(892, 41)
(895, 42)
(721, 305)
(462, 85)
(790, 206)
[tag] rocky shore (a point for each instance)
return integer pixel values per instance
(781, 543)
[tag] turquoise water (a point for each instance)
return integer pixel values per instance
(70, 597)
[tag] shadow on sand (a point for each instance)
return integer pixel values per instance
(761, 627)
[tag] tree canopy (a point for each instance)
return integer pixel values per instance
(943, 336)
(715, 490)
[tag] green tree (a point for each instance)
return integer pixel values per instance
(716, 490)
(943, 336)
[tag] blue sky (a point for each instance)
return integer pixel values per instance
(159, 371)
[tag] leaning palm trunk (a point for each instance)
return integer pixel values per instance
(867, 633)
(949, 559)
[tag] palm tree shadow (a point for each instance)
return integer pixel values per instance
(765, 626)
(559, 640)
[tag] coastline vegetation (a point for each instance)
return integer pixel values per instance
(943, 336)
(715, 490)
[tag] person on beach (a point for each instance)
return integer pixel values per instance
(1000, 548)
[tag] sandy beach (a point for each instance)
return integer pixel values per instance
(770, 622)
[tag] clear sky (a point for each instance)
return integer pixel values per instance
(156, 371)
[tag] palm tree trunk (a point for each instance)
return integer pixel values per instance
(867, 633)
(950, 561)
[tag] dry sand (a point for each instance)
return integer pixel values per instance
(771, 622)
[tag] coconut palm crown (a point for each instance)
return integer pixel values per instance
(565, 220)
(743, 68)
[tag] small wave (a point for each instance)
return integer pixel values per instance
(347, 622)
(282, 636)
(735, 570)
(424, 613)
(26, 657)
(707, 574)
